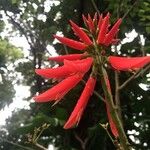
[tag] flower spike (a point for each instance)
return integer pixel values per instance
(81, 104)
(71, 43)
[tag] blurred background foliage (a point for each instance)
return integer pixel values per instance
(37, 21)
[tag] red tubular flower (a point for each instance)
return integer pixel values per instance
(90, 23)
(72, 70)
(81, 104)
(81, 66)
(85, 20)
(101, 26)
(109, 37)
(100, 21)
(57, 73)
(71, 43)
(95, 17)
(76, 65)
(111, 122)
(124, 64)
(57, 92)
(82, 35)
(103, 30)
(67, 57)
(69, 68)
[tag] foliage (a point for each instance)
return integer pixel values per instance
(25, 18)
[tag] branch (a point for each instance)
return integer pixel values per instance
(18, 26)
(83, 143)
(122, 136)
(16, 144)
(117, 95)
(95, 7)
(130, 9)
(134, 76)
(40, 146)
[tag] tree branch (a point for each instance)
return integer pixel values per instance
(129, 10)
(83, 143)
(117, 95)
(134, 76)
(16, 144)
(40, 146)
(95, 7)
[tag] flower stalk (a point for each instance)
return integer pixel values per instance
(113, 111)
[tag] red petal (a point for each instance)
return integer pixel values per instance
(71, 43)
(84, 19)
(81, 104)
(109, 37)
(83, 36)
(122, 63)
(58, 91)
(103, 30)
(111, 122)
(81, 66)
(95, 17)
(100, 21)
(58, 73)
(90, 23)
(67, 57)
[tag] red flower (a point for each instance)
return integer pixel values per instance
(76, 65)
(72, 71)
(81, 104)
(67, 57)
(111, 122)
(122, 63)
(104, 38)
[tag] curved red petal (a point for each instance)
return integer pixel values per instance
(85, 20)
(81, 104)
(90, 23)
(124, 64)
(111, 122)
(81, 66)
(57, 73)
(95, 18)
(83, 36)
(109, 37)
(67, 57)
(71, 43)
(103, 30)
(100, 21)
(58, 91)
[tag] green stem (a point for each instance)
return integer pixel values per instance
(122, 136)
(98, 62)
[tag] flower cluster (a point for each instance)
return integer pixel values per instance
(92, 42)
